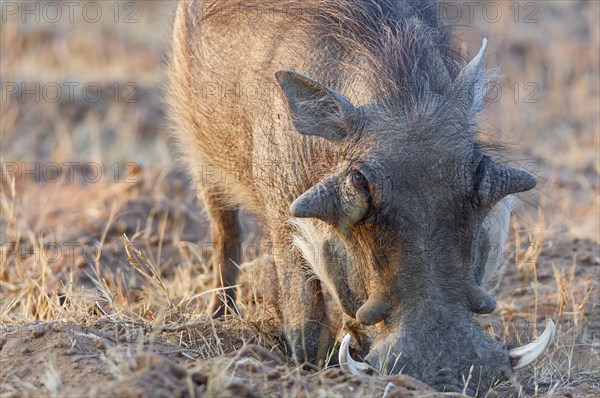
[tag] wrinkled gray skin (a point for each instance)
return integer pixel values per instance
(350, 131)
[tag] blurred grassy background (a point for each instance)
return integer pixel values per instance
(123, 53)
(547, 107)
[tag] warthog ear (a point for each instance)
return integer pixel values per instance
(316, 109)
(322, 201)
(473, 79)
(494, 181)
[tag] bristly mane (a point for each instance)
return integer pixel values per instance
(398, 48)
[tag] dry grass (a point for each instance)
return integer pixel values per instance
(117, 270)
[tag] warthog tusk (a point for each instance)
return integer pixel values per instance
(346, 362)
(526, 355)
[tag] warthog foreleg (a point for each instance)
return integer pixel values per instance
(301, 302)
(225, 232)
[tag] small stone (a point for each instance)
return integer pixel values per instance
(24, 373)
(241, 390)
(100, 344)
(37, 333)
(178, 371)
(199, 378)
(273, 374)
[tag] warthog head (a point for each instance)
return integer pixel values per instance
(403, 211)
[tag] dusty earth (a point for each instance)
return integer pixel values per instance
(101, 350)
(105, 355)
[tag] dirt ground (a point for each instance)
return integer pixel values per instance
(171, 349)
(105, 254)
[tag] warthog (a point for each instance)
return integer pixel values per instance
(349, 127)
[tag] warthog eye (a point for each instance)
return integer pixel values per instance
(356, 197)
(359, 181)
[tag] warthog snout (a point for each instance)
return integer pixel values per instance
(451, 357)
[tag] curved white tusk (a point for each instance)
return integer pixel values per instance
(346, 362)
(526, 355)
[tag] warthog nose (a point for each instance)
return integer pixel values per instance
(519, 357)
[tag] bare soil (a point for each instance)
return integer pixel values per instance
(107, 354)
